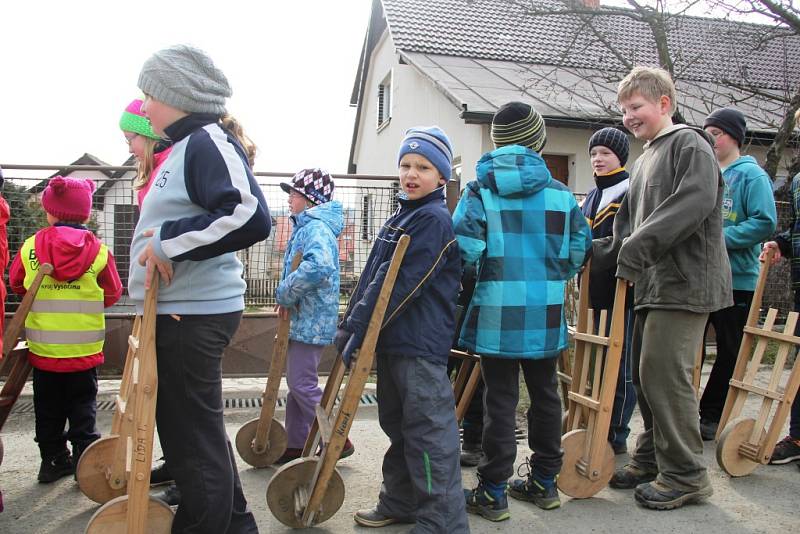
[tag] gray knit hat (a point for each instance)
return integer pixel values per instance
(185, 78)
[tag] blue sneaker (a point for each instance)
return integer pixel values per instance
(542, 493)
(488, 500)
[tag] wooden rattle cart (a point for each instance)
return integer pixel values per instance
(745, 443)
(260, 442)
(588, 456)
(15, 356)
(309, 490)
(115, 470)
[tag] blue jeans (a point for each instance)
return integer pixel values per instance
(625, 394)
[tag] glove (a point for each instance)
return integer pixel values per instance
(353, 344)
(341, 338)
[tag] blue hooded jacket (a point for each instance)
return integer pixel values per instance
(312, 291)
(420, 318)
(528, 235)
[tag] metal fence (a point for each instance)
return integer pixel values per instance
(367, 200)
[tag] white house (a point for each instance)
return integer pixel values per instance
(453, 63)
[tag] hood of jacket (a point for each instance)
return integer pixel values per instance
(741, 161)
(666, 132)
(69, 249)
(513, 170)
(331, 213)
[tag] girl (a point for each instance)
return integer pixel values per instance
(203, 206)
(148, 148)
(312, 293)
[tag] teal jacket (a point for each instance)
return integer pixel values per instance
(528, 237)
(748, 218)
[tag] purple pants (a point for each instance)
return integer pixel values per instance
(304, 392)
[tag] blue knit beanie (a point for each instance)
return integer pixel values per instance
(432, 143)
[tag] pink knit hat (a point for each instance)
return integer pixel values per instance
(68, 199)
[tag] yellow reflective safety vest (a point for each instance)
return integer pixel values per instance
(67, 319)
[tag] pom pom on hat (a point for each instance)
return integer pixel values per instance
(133, 120)
(68, 199)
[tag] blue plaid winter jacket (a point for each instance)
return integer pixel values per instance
(528, 236)
(313, 289)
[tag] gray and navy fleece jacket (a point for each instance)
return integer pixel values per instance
(420, 317)
(204, 205)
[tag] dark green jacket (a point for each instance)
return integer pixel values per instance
(668, 232)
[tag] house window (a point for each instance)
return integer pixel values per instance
(384, 101)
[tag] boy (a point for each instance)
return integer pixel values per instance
(608, 152)
(421, 474)
(748, 218)
(528, 235)
(66, 327)
(787, 244)
(668, 242)
(311, 294)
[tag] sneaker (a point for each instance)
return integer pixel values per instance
(471, 454)
(786, 450)
(657, 496)
(289, 455)
(160, 475)
(630, 476)
(374, 519)
(543, 494)
(708, 429)
(55, 467)
(488, 500)
(170, 495)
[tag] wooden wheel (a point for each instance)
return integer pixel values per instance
(282, 487)
(111, 518)
(736, 432)
(276, 443)
(91, 470)
(570, 481)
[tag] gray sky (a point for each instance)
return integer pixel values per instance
(70, 68)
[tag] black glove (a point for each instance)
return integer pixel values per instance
(341, 338)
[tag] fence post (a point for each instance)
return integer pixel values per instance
(451, 192)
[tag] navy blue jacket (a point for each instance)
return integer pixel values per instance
(420, 318)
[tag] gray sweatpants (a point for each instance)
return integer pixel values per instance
(421, 471)
(665, 345)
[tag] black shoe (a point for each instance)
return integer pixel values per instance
(160, 475)
(657, 496)
(374, 519)
(289, 455)
(630, 476)
(170, 495)
(786, 450)
(55, 467)
(471, 454)
(489, 503)
(708, 429)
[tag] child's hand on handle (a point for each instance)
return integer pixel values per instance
(776, 256)
(149, 259)
(346, 344)
(283, 312)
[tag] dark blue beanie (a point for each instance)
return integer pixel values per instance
(432, 143)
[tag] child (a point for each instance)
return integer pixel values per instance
(311, 294)
(66, 328)
(148, 148)
(748, 218)
(608, 151)
(667, 241)
(421, 475)
(204, 205)
(150, 152)
(787, 244)
(528, 235)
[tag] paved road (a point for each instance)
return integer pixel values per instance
(766, 501)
